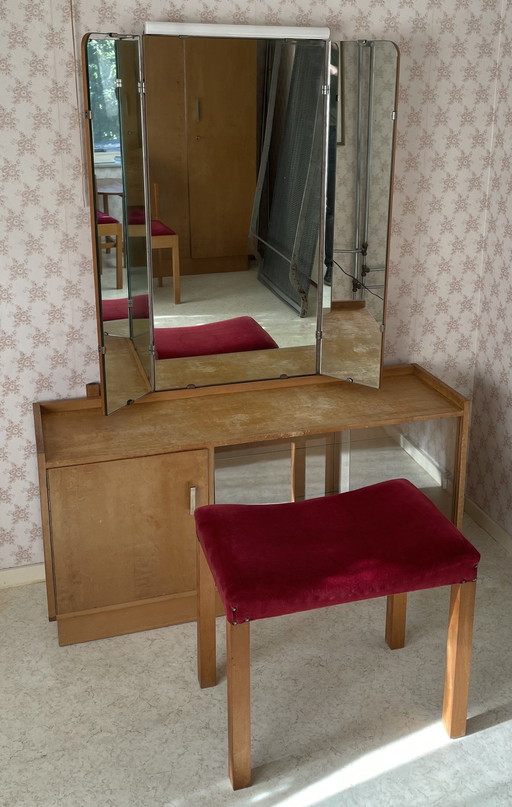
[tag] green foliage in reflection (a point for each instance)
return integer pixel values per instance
(102, 69)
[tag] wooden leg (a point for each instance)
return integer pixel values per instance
(298, 469)
(458, 658)
(396, 612)
(460, 465)
(337, 463)
(119, 258)
(157, 263)
(206, 644)
(239, 704)
(332, 465)
(176, 277)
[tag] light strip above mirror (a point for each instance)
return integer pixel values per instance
(238, 31)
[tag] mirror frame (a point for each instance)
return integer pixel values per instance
(118, 355)
(142, 384)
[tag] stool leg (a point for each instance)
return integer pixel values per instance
(337, 463)
(458, 658)
(239, 704)
(176, 276)
(156, 254)
(298, 469)
(332, 465)
(396, 612)
(206, 644)
(119, 258)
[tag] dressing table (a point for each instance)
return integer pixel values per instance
(118, 492)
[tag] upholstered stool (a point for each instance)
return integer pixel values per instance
(117, 308)
(267, 560)
(108, 227)
(162, 237)
(236, 335)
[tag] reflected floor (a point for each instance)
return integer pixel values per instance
(359, 450)
(351, 346)
(222, 295)
(339, 720)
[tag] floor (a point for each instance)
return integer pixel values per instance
(339, 720)
(221, 295)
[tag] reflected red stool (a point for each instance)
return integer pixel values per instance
(109, 228)
(162, 237)
(235, 335)
(117, 308)
(272, 559)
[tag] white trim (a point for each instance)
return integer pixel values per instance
(488, 524)
(22, 575)
(438, 474)
(238, 31)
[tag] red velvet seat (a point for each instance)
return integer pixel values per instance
(104, 218)
(162, 237)
(235, 335)
(267, 560)
(137, 216)
(118, 309)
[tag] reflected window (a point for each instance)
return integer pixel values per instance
(103, 99)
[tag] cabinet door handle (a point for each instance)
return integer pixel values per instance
(198, 109)
(193, 499)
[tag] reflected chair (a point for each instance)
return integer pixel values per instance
(162, 237)
(274, 559)
(108, 227)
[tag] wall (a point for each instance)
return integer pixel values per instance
(490, 465)
(47, 333)
(47, 325)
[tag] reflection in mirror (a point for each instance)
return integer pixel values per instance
(118, 188)
(235, 145)
(360, 172)
(232, 167)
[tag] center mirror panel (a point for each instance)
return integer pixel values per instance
(255, 227)
(235, 131)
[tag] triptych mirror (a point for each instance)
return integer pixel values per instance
(240, 186)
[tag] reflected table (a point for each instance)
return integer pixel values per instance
(108, 186)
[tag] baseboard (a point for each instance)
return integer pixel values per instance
(22, 575)
(440, 476)
(488, 524)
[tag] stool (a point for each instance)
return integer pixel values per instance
(236, 335)
(162, 237)
(272, 559)
(108, 227)
(117, 308)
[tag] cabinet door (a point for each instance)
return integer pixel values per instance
(221, 117)
(122, 530)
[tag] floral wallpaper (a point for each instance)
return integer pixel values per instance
(382, 105)
(490, 463)
(450, 295)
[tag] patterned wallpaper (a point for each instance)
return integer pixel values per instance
(383, 104)
(446, 123)
(490, 479)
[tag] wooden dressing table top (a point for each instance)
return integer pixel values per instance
(119, 539)
(75, 431)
